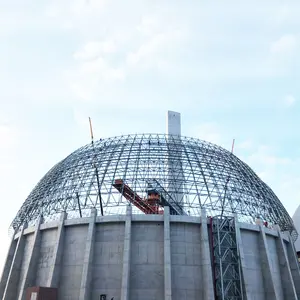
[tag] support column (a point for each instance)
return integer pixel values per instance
(55, 267)
(294, 265)
(10, 291)
(126, 256)
(289, 290)
(167, 255)
(269, 283)
(207, 280)
(243, 263)
(8, 263)
(85, 287)
(30, 273)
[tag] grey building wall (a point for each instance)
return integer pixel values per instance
(147, 261)
(253, 268)
(186, 261)
(48, 242)
(269, 265)
(71, 271)
(107, 260)
(25, 259)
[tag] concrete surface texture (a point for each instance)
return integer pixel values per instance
(296, 220)
(144, 257)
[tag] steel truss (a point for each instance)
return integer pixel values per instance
(226, 263)
(193, 173)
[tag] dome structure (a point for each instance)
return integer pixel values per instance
(187, 173)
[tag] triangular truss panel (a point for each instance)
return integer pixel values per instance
(192, 173)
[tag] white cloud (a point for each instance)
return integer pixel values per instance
(86, 80)
(149, 25)
(93, 50)
(264, 156)
(289, 100)
(208, 131)
(244, 145)
(179, 46)
(8, 137)
(284, 45)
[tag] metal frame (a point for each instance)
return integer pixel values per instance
(226, 262)
(200, 170)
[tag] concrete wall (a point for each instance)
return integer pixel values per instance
(47, 249)
(72, 262)
(25, 259)
(151, 249)
(107, 260)
(147, 261)
(186, 261)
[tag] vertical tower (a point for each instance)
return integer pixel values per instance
(175, 170)
(173, 123)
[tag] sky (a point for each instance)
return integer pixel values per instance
(231, 68)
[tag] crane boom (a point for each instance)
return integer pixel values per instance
(145, 206)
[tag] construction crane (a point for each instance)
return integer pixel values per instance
(147, 206)
(165, 198)
(157, 198)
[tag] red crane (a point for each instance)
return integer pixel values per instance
(147, 206)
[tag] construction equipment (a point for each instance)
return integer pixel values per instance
(157, 198)
(165, 198)
(147, 206)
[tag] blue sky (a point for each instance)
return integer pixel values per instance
(231, 69)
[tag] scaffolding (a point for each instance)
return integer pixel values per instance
(226, 262)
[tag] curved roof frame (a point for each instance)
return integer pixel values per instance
(198, 174)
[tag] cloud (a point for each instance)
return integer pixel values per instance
(92, 50)
(8, 137)
(211, 132)
(289, 100)
(155, 44)
(245, 145)
(264, 156)
(284, 45)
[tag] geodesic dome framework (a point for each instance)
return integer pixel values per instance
(191, 172)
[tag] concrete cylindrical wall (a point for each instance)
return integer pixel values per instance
(143, 257)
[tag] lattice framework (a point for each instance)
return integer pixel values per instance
(200, 174)
(226, 262)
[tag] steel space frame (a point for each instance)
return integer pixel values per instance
(226, 262)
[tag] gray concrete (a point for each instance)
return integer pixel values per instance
(294, 264)
(126, 256)
(270, 290)
(147, 261)
(175, 170)
(30, 271)
(10, 291)
(167, 255)
(48, 250)
(296, 220)
(7, 265)
(85, 287)
(186, 261)
(55, 265)
(108, 260)
(207, 278)
(246, 275)
(72, 262)
(146, 257)
(289, 290)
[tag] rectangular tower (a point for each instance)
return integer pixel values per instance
(173, 123)
(175, 171)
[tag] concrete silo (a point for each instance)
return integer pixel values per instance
(113, 220)
(296, 220)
